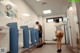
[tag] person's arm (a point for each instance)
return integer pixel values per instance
(36, 27)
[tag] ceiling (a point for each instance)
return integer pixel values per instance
(58, 7)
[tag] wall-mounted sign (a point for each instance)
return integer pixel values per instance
(10, 12)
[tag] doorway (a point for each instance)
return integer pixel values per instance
(49, 25)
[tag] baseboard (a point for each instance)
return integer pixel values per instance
(52, 43)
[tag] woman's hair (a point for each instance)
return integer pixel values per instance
(57, 20)
(37, 22)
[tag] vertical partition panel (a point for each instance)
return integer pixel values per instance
(25, 36)
(13, 37)
(33, 38)
(37, 35)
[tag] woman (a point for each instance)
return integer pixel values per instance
(59, 34)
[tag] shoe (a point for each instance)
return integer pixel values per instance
(39, 46)
(58, 50)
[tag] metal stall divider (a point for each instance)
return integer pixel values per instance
(33, 38)
(37, 36)
(25, 36)
(13, 37)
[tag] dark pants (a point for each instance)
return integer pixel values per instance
(40, 38)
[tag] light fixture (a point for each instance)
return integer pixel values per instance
(60, 19)
(26, 14)
(50, 20)
(38, 0)
(70, 8)
(47, 11)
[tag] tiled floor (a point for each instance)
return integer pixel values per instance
(51, 49)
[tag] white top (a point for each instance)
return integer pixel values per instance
(59, 25)
(36, 26)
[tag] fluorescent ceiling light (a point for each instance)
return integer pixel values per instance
(26, 14)
(70, 8)
(47, 11)
(38, 0)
